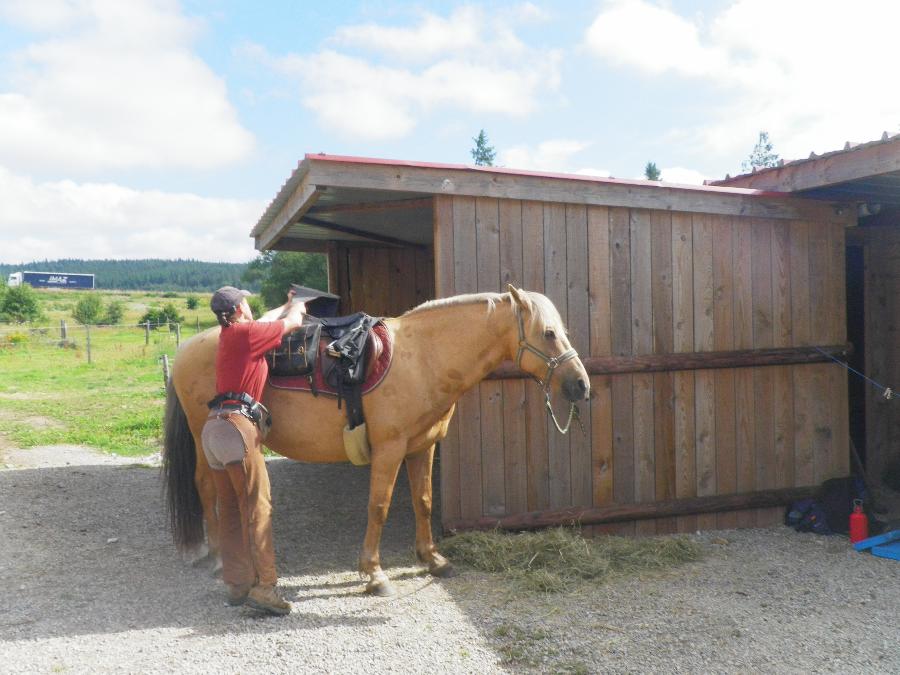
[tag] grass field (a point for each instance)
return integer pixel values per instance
(51, 395)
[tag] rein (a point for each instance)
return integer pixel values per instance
(552, 363)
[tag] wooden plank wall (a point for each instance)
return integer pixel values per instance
(638, 281)
(383, 281)
(881, 249)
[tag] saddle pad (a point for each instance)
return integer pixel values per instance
(375, 372)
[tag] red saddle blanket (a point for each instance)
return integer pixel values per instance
(380, 352)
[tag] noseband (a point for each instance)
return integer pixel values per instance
(552, 363)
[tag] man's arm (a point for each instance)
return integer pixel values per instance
(294, 316)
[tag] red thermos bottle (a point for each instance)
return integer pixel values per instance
(859, 523)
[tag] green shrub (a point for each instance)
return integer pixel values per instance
(170, 294)
(88, 309)
(160, 315)
(115, 311)
(256, 306)
(192, 302)
(20, 304)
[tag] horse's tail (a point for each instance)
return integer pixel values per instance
(179, 465)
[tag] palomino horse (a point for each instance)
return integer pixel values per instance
(441, 349)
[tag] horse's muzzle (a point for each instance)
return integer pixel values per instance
(576, 389)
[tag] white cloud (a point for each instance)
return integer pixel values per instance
(469, 62)
(811, 72)
(113, 85)
(552, 155)
(679, 174)
(105, 220)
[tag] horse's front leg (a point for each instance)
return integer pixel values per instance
(418, 466)
(386, 459)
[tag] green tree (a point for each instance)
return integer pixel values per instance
(88, 309)
(20, 304)
(275, 271)
(192, 302)
(482, 153)
(651, 172)
(115, 311)
(763, 155)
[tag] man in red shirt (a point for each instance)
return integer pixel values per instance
(232, 441)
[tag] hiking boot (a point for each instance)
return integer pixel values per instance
(265, 599)
(237, 595)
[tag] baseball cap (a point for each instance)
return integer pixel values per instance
(226, 299)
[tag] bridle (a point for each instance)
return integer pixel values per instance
(552, 363)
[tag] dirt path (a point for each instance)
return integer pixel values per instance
(92, 584)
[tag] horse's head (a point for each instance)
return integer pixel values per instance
(543, 350)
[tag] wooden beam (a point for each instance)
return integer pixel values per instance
(871, 159)
(569, 190)
(658, 363)
(618, 513)
(303, 245)
(300, 201)
(373, 207)
(380, 238)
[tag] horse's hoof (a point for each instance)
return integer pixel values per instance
(442, 570)
(216, 570)
(381, 589)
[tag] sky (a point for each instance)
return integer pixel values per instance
(163, 128)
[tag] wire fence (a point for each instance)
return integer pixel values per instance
(98, 343)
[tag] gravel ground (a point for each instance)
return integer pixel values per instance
(93, 584)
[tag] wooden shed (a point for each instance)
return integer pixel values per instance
(867, 176)
(703, 315)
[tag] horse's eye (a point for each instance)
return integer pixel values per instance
(550, 334)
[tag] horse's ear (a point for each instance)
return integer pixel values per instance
(518, 296)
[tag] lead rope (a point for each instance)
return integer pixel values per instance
(573, 415)
(886, 392)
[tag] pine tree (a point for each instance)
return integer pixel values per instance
(762, 155)
(482, 153)
(651, 172)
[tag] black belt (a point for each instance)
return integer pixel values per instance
(250, 407)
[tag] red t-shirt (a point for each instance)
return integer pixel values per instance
(240, 362)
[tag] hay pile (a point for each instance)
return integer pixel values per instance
(554, 560)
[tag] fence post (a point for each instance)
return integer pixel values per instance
(147, 333)
(63, 330)
(177, 334)
(198, 323)
(165, 364)
(87, 329)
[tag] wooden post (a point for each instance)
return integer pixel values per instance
(177, 334)
(87, 330)
(147, 333)
(198, 323)
(63, 329)
(165, 365)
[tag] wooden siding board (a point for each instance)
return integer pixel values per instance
(555, 288)
(642, 343)
(763, 337)
(536, 421)
(661, 250)
(782, 329)
(683, 341)
(469, 405)
(723, 339)
(514, 397)
(600, 344)
(445, 285)
(579, 324)
(620, 328)
(487, 235)
(800, 283)
(703, 282)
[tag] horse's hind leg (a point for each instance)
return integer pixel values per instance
(386, 461)
(418, 466)
(206, 486)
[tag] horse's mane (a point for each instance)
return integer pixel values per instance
(490, 299)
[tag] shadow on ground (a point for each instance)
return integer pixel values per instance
(86, 550)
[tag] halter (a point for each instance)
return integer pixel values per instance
(552, 363)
